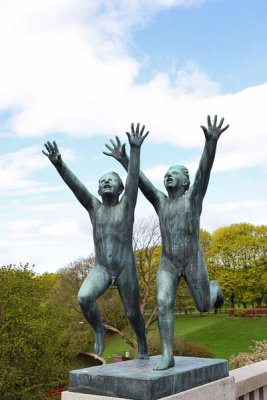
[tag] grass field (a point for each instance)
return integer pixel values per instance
(222, 334)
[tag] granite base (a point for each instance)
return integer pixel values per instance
(137, 380)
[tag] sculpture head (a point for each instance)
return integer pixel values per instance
(176, 176)
(110, 184)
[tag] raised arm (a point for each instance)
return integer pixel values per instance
(83, 195)
(212, 133)
(136, 138)
(117, 150)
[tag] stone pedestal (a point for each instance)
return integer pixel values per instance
(137, 380)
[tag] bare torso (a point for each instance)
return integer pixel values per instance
(113, 236)
(179, 225)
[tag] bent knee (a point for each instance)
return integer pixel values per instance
(133, 314)
(165, 303)
(83, 299)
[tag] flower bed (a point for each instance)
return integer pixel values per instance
(248, 312)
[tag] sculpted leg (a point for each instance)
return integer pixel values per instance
(216, 296)
(206, 294)
(129, 292)
(93, 286)
(166, 289)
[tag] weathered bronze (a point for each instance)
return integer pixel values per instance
(179, 217)
(112, 222)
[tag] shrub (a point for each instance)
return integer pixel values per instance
(181, 348)
(248, 312)
(257, 352)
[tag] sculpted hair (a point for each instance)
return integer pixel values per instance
(121, 185)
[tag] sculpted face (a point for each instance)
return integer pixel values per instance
(176, 176)
(110, 184)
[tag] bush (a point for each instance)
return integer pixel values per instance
(181, 348)
(258, 352)
(248, 312)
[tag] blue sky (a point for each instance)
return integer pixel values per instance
(80, 72)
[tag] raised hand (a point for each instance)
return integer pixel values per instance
(212, 131)
(117, 150)
(136, 137)
(52, 152)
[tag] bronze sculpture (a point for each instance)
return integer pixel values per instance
(112, 222)
(179, 217)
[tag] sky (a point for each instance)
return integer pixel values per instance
(81, 71)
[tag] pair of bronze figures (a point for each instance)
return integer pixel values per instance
(112, 220)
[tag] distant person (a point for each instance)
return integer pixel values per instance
(112, 222)
(179, 217)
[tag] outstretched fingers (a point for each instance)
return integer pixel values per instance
(220, 126)
(128, 135)
(145, 135)
(221, 123)
(45, 153)
(224, 129)
(209, 123)
(55, 146)
(142, 130)
(108, 147)
(137, 135)
(50, 146)
(118, 141)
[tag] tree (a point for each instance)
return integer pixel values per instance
(146, 243)
(237, 259)
(205, 240)
(38, 338)
(23, 331)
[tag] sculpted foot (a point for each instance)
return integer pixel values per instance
(143, 353)
(166, 362)
(143, 356)
(99, 341)
(219, 295)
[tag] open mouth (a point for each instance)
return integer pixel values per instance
(169, 180)
(107, 186)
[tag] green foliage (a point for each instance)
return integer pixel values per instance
(237, 259)
(205, 238)
(183, 301)
(146, 241)
(181, 348)
(111, 309)
(36, 335)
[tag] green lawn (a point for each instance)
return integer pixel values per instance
(222, 334)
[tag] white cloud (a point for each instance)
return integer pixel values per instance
(65, 67)
(69, 228)
(23, 225)
(36, 240)
(216, 215)
(16, 168)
